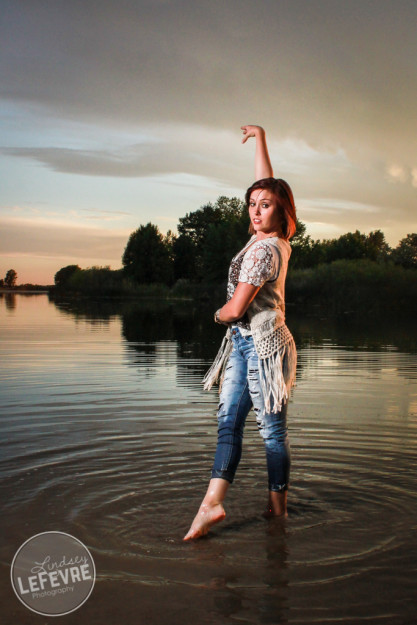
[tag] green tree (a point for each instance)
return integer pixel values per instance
(97, 281)
(349, 246)
(169, 241)
(10, 279)
(352, 245)
(300, 232)
(223, 241)
(216, 254)
(63, 275)
(195, 225)
(355, 245)
(305, 251)
(185, 256)
(376, 246)
(405, 253)
(214, 232)
(146, 258)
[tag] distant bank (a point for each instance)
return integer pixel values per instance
(28, 289)
(343, 287)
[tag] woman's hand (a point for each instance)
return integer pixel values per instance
(263, 167)
(252, 131)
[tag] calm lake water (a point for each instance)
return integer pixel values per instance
(106, 434)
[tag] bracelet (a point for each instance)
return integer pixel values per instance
(216, 316)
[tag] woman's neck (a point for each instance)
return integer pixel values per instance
(266, 235)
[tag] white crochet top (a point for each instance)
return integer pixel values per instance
(257, 263)
(263, 263)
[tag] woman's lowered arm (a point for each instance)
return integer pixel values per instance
(263, 167)
(238, 304)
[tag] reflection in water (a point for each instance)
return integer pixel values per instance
(106, 434)
(191, 326)
(9, 300)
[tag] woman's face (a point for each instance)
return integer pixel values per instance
(263, 213)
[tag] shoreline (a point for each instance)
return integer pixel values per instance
(42, 290)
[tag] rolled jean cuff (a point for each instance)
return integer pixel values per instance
(278, 488)
(224, 475)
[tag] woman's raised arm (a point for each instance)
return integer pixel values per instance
(263, 167)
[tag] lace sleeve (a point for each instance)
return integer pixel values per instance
(259, 264)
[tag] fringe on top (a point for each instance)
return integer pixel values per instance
(277, 364)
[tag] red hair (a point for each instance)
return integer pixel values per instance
(285, 204)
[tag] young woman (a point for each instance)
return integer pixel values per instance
(257, 360)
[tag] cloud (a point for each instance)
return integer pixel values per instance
(49, 216)
(310, 69)
(103, 215)
(397, 173)
(183, 150)
(331, 217)
(138, 161)
(335, 206)
(61, 239)
(111, 91)
(325, 182)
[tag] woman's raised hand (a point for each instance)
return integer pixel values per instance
(263, 167)
(252, 131)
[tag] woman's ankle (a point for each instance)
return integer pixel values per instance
(277, 503)
(216, 492)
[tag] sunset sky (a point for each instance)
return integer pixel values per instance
(114, 113)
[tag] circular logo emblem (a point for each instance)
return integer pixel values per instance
(53, 573)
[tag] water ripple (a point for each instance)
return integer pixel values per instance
(113, 441)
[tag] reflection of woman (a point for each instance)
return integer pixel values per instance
(257, 360)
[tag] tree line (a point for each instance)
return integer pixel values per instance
(207, 239)
(9, 280)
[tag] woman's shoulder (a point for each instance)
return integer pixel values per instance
(259, 248)
(276, 244)
(267, 247)
(281, 245)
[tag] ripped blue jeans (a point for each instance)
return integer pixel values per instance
(241, 390)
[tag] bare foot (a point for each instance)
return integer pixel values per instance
(207, 516)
